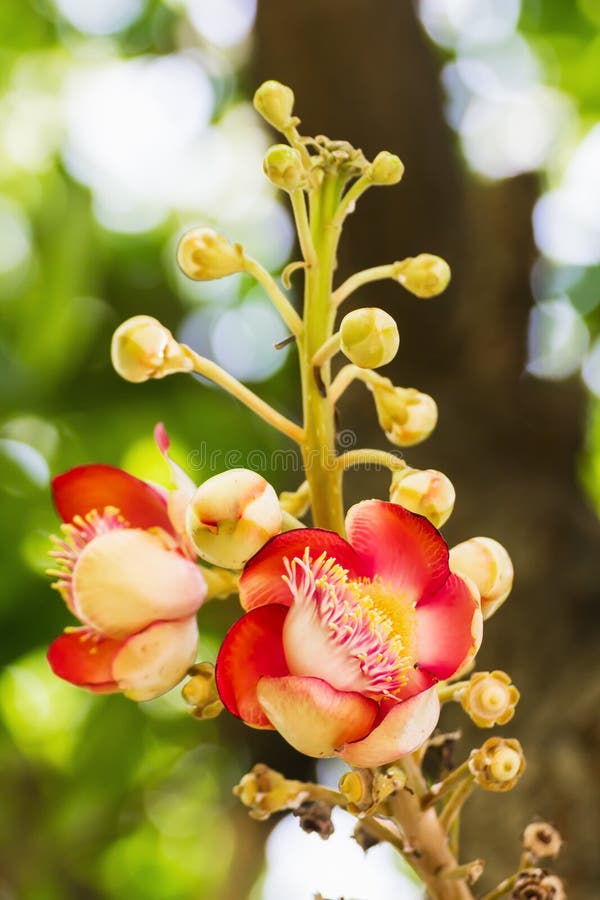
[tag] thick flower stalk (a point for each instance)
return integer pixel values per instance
(354, 630)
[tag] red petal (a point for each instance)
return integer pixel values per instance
(252, 648)
(449, 626)
(403, 728)
(85, 658)
(419, 680)
(313, 716)
(80, 490)
(261, 580)
(398, 546)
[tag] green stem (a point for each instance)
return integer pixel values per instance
(323, 475)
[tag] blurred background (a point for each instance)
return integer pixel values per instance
(121, 123)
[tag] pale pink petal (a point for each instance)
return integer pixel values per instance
(312, 716)
(85, 658)
(262, 579)
(156, 659)
(126, 579)
(85, 488)
(252, 648)
(178, 499)
(449, 627)
(398, 546)
(404, 728)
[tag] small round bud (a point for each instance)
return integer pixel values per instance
(201, 691)
(498, 764)
(356, 786)
(537, 884)
(386, 168)
(424, 275)
(369, 337)
(406, 415)
(490, 699)
(283, 167)
(204, 254)
(425, 492)
(231, 516)
(542, 840)
(143, 348)
(488, 564)
(275, 103)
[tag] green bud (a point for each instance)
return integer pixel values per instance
(275, 103)
(283, 167)
(204, 254)
(369, 337)
(386, 168)
(424, 275)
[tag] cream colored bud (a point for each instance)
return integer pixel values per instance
(406, 415)
(488, 564)
(275, 103)
(542, 840)
(490, 699)
(231, 516)
(386, 168)
(201, 691)
(204, 254)
(424, 275)
(283, 167)
(369, 337)
(498, 764)
(425, 492)
(143, 348)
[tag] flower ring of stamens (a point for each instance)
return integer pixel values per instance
(362, 630)
(77, 535)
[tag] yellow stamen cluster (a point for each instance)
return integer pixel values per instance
(498, 764)
(265, 791)
(490, 698)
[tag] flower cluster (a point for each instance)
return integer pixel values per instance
(355, 629)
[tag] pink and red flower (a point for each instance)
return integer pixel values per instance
(343, 642)
(127, 573)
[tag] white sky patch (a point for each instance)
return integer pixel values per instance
(224, 23)
(100, 16)
(566, 220)
(242, 339)
(300, 865)
(456, 23)
(558, 339)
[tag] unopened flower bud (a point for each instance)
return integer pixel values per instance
(537, 884)
(283, 167)
(424, 275)
(143, 348)
(490, 699)
(204, 254)
(425, 492)
(201, 691)
(498, 764)
(488, 564)
(542, 840)
(406, 415)
(266, 791)
(231, 516)
(386, 168)
(356, 786)
(275, 103)
(369, 337)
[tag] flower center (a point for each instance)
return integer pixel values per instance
(76, 536)
(358, 635)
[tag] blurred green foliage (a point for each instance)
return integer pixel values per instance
(102, 798)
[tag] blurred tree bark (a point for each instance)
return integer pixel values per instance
(366, 72)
